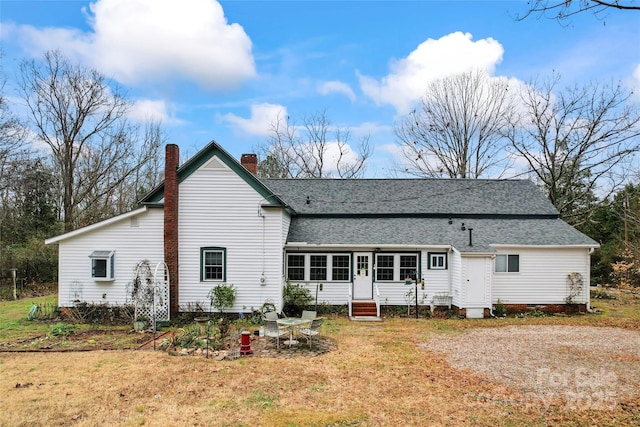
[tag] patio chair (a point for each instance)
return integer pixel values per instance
(271, 315)
(309, 315)
(312, 330)
(273, 330)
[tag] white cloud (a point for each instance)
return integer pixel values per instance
(432, 59)
(262, 117)
(335, 151)
(149, 109)
(337, 87)
(137, 41)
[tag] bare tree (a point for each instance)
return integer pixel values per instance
(563, 9)
(577, 142)
(457, 131)
(12, 133)
(82, 117)
(314, 150)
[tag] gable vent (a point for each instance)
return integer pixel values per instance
(215, 163)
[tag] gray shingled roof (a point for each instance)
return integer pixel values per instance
(434, 231)
(412, 196)
(407, 212)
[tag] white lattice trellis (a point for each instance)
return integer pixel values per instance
(150, 292)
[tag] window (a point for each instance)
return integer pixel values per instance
(318, 267)
(396, 267)
(408, 267)
(507, 263)
(295, 267)
(437, 260)
(340, 270)
(362, 265)
(384, 267)
(213, 264)
(102, 265)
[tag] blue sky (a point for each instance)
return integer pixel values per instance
(223, 70)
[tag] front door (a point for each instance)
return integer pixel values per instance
(362, 276)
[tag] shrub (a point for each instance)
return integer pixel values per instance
(499, 310)
(222, 296)
(295, 298)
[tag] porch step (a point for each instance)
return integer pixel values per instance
(364, 309)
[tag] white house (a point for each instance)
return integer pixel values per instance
(357, 242)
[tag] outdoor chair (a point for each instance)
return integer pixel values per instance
(271, 315)
(312, 330)
(309, 315)
(273, 330)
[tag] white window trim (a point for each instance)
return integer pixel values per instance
(396, 266)
(203, 266)
(495, 264)
(109, 257)
(438, 255)
(307, 266)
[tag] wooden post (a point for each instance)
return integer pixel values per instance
(13, 279)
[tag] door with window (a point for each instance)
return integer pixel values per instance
(362, 276)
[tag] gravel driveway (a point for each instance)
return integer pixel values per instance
(581, 367)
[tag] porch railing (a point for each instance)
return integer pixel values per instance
(376, 298)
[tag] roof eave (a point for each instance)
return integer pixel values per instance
(95, 226)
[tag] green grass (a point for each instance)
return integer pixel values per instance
(14, 324)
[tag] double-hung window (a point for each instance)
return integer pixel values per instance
(408, 267)
(295, 267)
(213, 264)
(507, 263)
(102, 265)
(384, 267)
(341, 268)
(317, 267)
(396, 267)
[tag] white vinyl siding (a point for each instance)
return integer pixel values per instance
(542, 278)
(220, 209)
(456, 277)
(130, 245)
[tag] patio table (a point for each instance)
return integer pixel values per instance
(293, 323)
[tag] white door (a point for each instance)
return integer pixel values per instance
(362, 276)
(475, 282)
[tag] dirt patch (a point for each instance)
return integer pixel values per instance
(92, 339)
(581, 367)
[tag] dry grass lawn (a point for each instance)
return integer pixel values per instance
(378, 374)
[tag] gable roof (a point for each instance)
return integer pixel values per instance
(417, 212)
(202, 157)
(427, 197)
(421, 232)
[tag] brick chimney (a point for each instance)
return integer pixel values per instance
(250, 162)
(172, 161)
